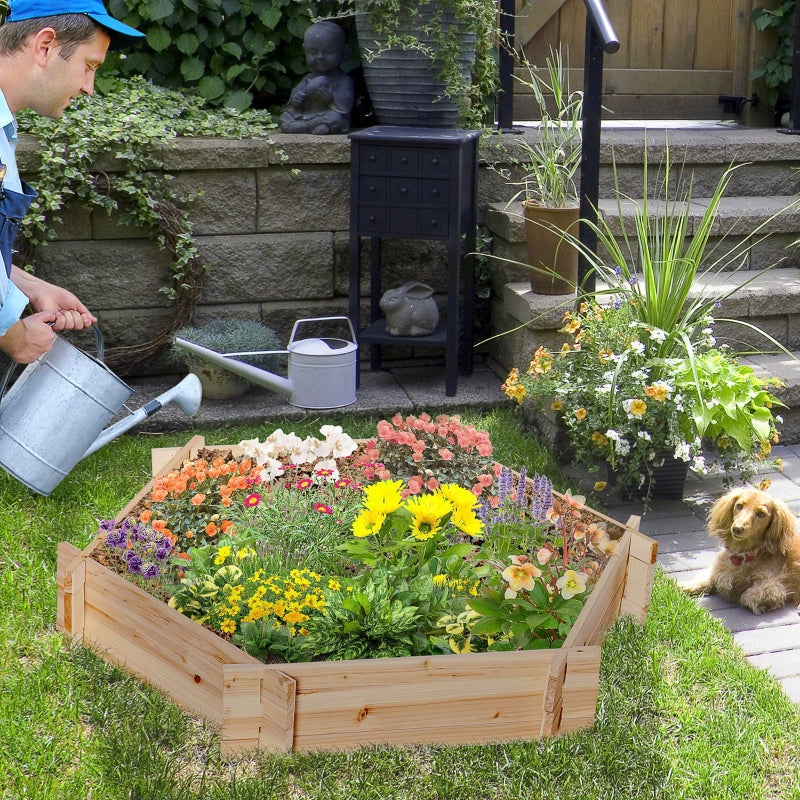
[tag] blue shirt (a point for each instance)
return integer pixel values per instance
(12, 300)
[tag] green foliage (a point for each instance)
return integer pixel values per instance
(232, 53)
(231, 335)
(730, 401)
(374, 619)
(776, 68)
(130, 123)
(472, 91)
(551, 163)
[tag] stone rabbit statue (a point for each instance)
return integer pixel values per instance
(410, 310)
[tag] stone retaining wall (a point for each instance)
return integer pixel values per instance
(271, 220)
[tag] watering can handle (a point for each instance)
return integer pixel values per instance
(13, 365)
(322, 319)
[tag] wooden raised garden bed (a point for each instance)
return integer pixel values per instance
(447, 699)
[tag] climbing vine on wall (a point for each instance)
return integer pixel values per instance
(131, 123)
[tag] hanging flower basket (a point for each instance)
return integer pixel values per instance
(445, 699)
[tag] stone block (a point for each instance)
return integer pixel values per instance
(315, 198)
(108, 274)
(225, 200)
(268, 267)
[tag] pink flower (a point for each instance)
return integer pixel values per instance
(432, 484)
(446, 454)
(484, 449)
(415, 484)
(416, 457)
(543, 555)
(485, 480)
(322, 508)
(252, 500)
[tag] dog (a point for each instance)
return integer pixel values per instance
(758, 566)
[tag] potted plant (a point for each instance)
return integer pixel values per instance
(227, 336)
(549, 168)
(429, 63)
(641, 380)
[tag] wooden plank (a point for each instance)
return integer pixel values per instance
(160, 457)
(572, 36)
(619, 12)
(157, 643)
(714, 29)
(241, 707)
(66, 557)
(581, 687)
(601, 603)
(278, 704)
(532, 17)
(445, 699)
(646, 42)
(551, 705)
(680, 36)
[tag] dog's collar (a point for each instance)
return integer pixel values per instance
(737, 559)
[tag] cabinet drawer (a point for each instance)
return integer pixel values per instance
(435, 194)
(373, 189)
(372, 221)
(374, 159)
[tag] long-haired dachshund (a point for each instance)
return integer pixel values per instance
(758, 566)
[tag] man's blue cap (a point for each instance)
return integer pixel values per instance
(121, 35)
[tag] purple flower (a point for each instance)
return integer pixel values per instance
(542, 498)
(135, 562)
(116, 537)
(150, 571)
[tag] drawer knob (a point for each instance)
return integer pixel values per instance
(403, 190)
(435, 161)
(404, 159)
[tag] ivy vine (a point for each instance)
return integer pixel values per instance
(131, 122)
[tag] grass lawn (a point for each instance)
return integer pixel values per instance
(681, 713)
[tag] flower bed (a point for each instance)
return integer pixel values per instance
(463, 698)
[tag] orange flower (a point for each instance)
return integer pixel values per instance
(211, 529)
(225, 525)
(146, 516)
(158, 525)
(198, 499)
(159, 495)
(226, 501)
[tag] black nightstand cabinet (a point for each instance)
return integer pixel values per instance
(415, 183)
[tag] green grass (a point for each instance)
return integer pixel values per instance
(681, 713)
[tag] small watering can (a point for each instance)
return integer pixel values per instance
(322, 372)
(55, 413)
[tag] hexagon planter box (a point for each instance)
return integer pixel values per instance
(447, 699)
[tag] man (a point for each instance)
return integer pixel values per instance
(49, 52)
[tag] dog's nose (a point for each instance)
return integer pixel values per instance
(736, 530)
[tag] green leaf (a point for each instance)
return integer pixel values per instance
(158, 38)
(192, 69)
(187, 43)
(211, 88)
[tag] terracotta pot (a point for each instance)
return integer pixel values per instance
(554, 259)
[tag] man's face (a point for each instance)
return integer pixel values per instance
(62, 80)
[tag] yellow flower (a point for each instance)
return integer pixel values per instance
(228, 626)
(600, 439)
(427, 512)
(572, 583)
(557, 405)
(222, 554)
(581, 413)
(383, 497)
(515, 392)
(635, 407)
(461, 498)
(599, 486)
(334, 585)
(467, 522)
(367, 523)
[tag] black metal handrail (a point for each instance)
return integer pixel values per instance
(600, 39)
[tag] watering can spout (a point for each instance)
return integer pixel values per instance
(186, 395)
(260, 376)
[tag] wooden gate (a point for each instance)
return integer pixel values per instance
(675, 60)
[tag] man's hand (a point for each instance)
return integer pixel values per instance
(29, 338)
(70, 313)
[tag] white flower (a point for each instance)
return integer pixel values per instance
(658, 335)
(645, 435)
(340, 443)
(328, 465)
(699, 465)
(637, 347)
(271, 469)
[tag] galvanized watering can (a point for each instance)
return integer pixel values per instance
(321, 372)
(55, 413)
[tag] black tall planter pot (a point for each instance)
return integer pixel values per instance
(666, 482)
(404, 85)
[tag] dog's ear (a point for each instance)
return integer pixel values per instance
(720, 516)
(781, 528)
